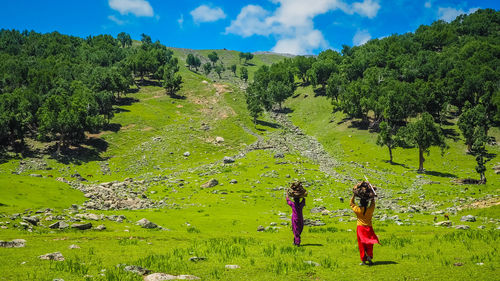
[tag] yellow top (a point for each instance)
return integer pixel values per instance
(366, 219)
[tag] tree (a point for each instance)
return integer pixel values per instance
(233, 69)
(469, 120)
(207, 67)
(213, 57)
(302, 64)
(478, 149)
(219, 69)
(386, 137)
(146, 41)
(423, 133)
(244, 73)
(172, 80)
(254, 105)
(124, 39)
(190, 60)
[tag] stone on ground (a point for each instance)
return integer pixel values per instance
(16, 243)
(144, 223)
(57, 256)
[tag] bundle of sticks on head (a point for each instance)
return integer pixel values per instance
(296, 190)
(364, 190)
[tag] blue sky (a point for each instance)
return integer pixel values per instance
(286, 26)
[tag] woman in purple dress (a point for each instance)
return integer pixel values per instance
(297, 217)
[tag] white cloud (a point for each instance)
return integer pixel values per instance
(116, 20)
(180, 21)
(361, 37)
(206, 14)
(292, 22)
(140, 8)
(368, 8)
(448, 13)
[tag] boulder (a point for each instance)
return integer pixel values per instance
(232, 266)
(228, 160)
(233, 181)
(63, 225)
(469, 218)
(312, 263)
(279, 155)
(319, 209)
(462, 226)
(73, 246)
(36, 175)
(32, 220)
(210, 183)
(16, 243)
(443, 223)
(196, 259)
(82, 226)
(57, 256)
(55, 225)
(313, 222)
(101, 227)
(219, 139)
(144, 223)
(88, 216)
(260, 228)
(187, 154)
(164, 276)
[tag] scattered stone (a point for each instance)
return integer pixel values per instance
(233, 181)
(443, 223)
(55, 225)
(144, 223)
(63, 225)
(497, 169)
(273, 224)
(261, 228)
(232, 266)
(101, 227)
(36, 175)
(312, 263)
(481, 227)
(196, 259)
(32, 220)
(16, 243)
(458, 264)
(88, 216)
(319, 209)
(469, 218)
(137, 269)
(313, 222)
(462, 226)
(479, 263)
(57, 256)
(187, 277)
(73, 246)
(82, 226)
(228, 160)
(210, 183)
(219, 139)
(164, 276)
(187, 154)
(279, 155)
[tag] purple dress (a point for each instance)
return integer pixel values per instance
(297, 219)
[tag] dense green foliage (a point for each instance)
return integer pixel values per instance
(55, 86)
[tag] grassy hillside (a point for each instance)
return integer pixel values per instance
(146, 142)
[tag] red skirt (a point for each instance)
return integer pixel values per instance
(366, 235)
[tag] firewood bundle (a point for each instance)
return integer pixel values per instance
(296, 190)
(364, 190)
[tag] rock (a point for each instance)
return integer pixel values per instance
(462, 226)
(260, 228)
(159, 277)
(144, 223)
(16, 243)
(101, 227)
(88, 216)
(233, 181)
(232, 266)
(319, 209)
(36, 175)
(312, 263)
(55, 225)
(82, 226)
(458, 264)
(137, 269)
(57, 256)
(313, 222)
(481, 227)
(187, 277)
(228, 160)
(210, 183)
(279, 155)
(187, 154)
(469, 218)
(497, 169)
(273, 224)
(32, 220)
(196, 259)
(219, 139)
(63, 225)
(443, 223)
(73, 246)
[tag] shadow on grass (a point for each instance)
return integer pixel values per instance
(311, 245)
(363, 124)
(384, 262)
(320, 92)
(395, 163)
(126, 101)
(284, 110)
(451, 134)
(439, 174)
(268, 124)
(177, 97)
(114, 127)
(151, 83)
(78, 154)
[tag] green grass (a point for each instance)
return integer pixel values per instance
(220, 223)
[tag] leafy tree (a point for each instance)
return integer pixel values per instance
(124, 39)
(172, 80)
(247, 56)
(146, 41)
(207, 67)
(422, 133)
(190, 60)
(302, 64)
(213, 57)
(219, 69)
(387, 137)
(470, 119)
(233, 69)
(244, 73)
(254, 105)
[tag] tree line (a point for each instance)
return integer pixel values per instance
(404, 86)
(57, 87)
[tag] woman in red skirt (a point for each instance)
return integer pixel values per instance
(365, 233)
